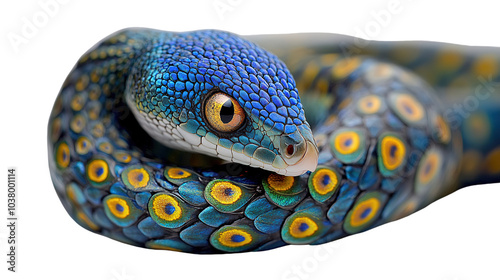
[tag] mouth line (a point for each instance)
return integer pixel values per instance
(308, 162)
(304, 158)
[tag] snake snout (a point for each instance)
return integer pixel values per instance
(299, 152)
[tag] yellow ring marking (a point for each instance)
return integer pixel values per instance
(161, 202)
(345, 67)
(450, 60)
(106, 147)
(485, 66)
(311, 70)
(77, 102)
(98, 130)
(133, 177)
(322, 86)
(406, 209)
(115, 202)
(410, 108)
(318, 184)
(347, 142)
(95, 75)
(98, 166)
(122, 157)
(56, 129)
(219, 192)
(82, 83)
(357, 218)
(444, 134)
(178, 173)
(63, 155)
(94, 112)
(70, 193)
(297, 224)
(84, 218)
(78, 123)
(279, 182)
(370, 104)
(392, 162)
(82, 145)
(381, 71)
(429, 168)
(226, 238)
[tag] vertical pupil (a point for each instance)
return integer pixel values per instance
(227, 111)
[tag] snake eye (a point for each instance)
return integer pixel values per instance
(223, 113)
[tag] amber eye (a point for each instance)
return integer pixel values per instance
(223, 113)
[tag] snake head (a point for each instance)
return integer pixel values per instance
(214, 93)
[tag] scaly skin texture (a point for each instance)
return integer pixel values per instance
(384, 146)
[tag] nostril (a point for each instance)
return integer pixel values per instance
(290, 150)
(292, 147)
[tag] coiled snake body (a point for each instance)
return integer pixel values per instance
(199, 142)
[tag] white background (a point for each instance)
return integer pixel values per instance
(455, 238)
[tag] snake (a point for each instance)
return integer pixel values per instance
(198, 141)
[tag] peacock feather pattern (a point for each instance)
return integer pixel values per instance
(134, 157)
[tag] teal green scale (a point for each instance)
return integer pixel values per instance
(186, 141)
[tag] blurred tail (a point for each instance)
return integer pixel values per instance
(467, 79)
(480, 130)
